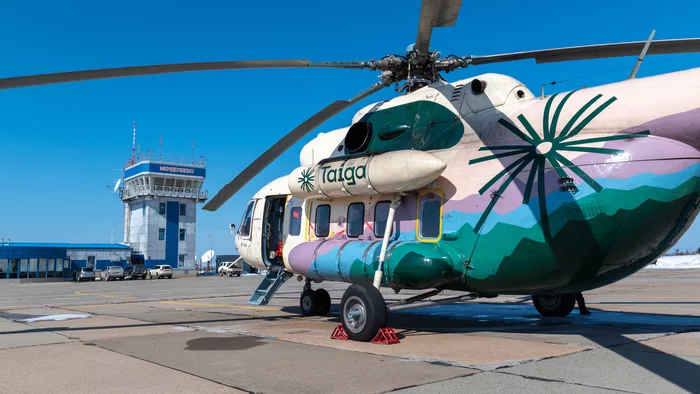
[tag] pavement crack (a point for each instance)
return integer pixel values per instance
(171, 368)
(433, 382)
(548, 380)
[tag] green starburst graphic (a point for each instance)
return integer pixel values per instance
(538, 150)
(306, 180)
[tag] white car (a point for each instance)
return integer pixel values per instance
(161, 271)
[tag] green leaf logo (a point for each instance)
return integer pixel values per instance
(306, 180)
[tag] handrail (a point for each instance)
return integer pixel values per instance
(170, 191)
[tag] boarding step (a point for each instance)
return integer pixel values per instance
(269, 286)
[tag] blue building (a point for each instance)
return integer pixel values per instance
(58, 260)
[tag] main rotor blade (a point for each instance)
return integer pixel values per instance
(434, 13)
(660, 47)
(73, 76)
(283, 144)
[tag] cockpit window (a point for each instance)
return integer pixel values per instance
(295, 222)
(247, 220)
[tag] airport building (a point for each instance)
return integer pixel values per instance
(160, 196)
(57, 260)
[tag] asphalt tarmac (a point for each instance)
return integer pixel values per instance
(199, 334)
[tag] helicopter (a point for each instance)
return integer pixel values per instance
(476, 186)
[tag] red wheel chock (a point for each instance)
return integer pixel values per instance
(339, 333)
(386, 335)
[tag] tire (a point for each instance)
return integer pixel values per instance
(238, 274)
(324, 302)
(557, 305)
(367, 305)
(309, 303)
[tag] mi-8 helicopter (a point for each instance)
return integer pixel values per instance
(475, 185)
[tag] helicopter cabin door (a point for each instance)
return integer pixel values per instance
(273, 230)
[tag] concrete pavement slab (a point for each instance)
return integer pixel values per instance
(498, 383)
(104, 327)
(240, 360)
(456, 349)
(24, 339)
(687, 344)
(36, 312)
(76, 368)
(14, 334)
(630, 368)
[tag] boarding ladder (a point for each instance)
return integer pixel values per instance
(275, 278)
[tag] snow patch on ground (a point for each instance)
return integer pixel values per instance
(676, 262)
(263, 273)
(56, 318)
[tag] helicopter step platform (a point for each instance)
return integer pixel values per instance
(269, 286)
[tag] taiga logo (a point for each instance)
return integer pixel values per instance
(347, 174)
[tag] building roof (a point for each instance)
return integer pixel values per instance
(64, 245)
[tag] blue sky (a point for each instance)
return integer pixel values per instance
(61, 145)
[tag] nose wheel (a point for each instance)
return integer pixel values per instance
(315, 302)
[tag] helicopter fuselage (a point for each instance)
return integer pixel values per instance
(537, 195)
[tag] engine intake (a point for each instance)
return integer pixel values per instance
(358, 137)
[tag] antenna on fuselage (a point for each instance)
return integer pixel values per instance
(641, 56)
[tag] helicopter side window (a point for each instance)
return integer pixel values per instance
(381, 211)
(323, 220)
(295, 222)
(429, 216)
(247, 220)
(356, 219)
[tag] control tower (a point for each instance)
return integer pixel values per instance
(160, 195)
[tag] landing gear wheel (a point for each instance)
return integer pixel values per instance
(557, 305)
(362, 312)
(324, 300)
(309, 303)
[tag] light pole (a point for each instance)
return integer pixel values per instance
(210, 248)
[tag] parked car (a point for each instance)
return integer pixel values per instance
(161, 271)
(113, 272)
(84, 274)
(231, 268)
(134, 271)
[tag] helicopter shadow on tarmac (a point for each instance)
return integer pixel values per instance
(619, 332)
